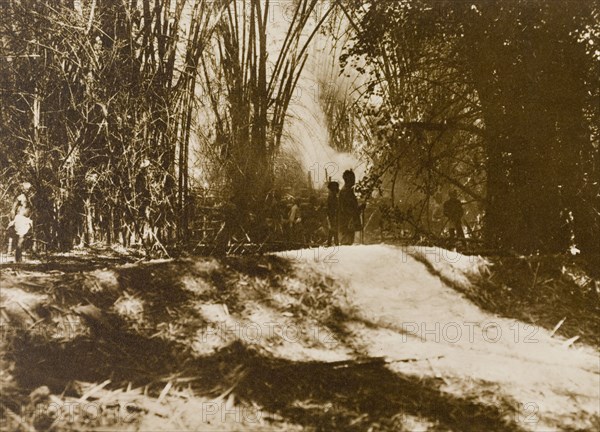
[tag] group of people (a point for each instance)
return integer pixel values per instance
(343, 214)
(343, 211)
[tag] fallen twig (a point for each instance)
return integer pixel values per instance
(94, 389)
(165, 391)
(535, 276)
(570, 342)
(31, 315)
(436, 373)
(557, 326)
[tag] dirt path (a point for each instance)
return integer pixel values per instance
(402, 311)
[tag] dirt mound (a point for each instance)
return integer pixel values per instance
(407, 309)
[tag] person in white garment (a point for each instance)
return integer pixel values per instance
(21, 222)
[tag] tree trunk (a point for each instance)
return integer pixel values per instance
(532, 99)
(90, 237)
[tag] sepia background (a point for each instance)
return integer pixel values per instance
(174, 159)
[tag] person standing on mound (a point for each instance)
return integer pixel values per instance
(453, 211)
(295, 223)
(348, 210)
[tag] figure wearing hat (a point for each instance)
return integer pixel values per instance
(349, 210)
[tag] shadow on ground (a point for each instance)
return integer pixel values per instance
(353, 395)
(349, 396)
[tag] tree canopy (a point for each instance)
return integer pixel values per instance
(105, 104)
